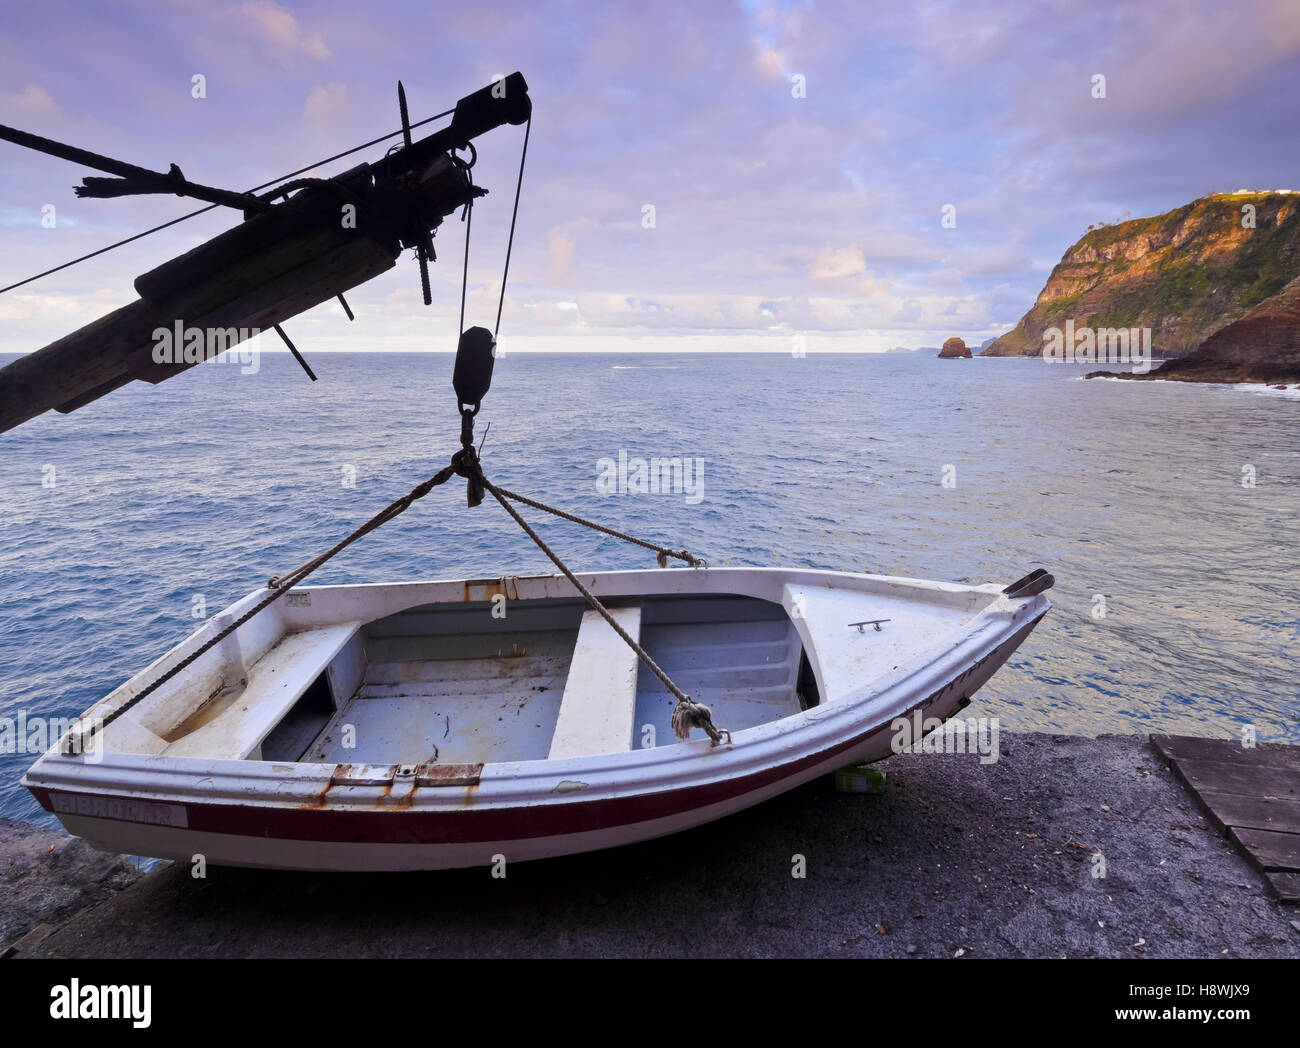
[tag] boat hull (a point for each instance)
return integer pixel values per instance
(294, 816)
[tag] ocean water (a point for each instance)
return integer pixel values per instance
(1176, 600)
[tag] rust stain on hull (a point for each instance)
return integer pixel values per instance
(429, 775)
(476, 590)
(321, 801)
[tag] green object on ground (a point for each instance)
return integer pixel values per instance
(861, 778)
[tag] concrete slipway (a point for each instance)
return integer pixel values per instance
(955, 859)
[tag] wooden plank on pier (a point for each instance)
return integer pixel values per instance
(1254, 813)
(1269, 850)
(1268, 754)
(1234, 777)
(1250, 794)
(1286, 886)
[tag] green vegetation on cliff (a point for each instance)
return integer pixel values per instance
(1261, 346)
(1184, 274)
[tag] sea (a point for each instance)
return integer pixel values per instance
(1169, 513)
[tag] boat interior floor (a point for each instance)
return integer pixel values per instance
(534, 679)
(456, 686)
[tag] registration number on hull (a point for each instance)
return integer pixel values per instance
(152, 812)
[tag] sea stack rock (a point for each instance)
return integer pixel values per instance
(954, 347)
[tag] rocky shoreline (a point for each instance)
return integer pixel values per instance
(46, 877)
(1262, 346)
(1065, 846)
(1183, 275)
(1211, 286)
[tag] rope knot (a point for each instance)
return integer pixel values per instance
(661, 558)
(465, 463)
(688, 714)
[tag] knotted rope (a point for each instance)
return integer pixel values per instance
(662, 552)
(687, 713)
(281, 584)
(465, 463)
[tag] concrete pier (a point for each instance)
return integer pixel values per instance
(1065, 847)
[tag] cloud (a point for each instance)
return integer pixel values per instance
(280, 33)
(770, 63)
(908, 313)
(325, 104)
(774, 213)
(560, 249)
(834, 262)
(32, 100)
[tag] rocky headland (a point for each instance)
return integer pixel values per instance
(1262, 346)
(1225, 264)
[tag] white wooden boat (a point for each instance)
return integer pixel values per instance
(410, 726)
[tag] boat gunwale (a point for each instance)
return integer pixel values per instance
(511, 784)
(597, 580)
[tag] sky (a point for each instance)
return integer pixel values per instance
(798, 157)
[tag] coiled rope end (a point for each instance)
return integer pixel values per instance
(688, 714)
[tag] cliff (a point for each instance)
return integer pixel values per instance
(1262, 346)
(1184, 274)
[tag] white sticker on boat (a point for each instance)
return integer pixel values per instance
(119, 808)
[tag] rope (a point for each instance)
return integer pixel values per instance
(510, 243)
(335, 187)
(282, 584)
(663, 551)
(464, 273)
(102, 250)
(468, 219)
(213, 207)
(687, 713)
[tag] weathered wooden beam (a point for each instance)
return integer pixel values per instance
(86, 359)
(252, 277)
(261, 306)
(330, 236)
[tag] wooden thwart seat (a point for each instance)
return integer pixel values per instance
(599, 704)
(235, 729)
